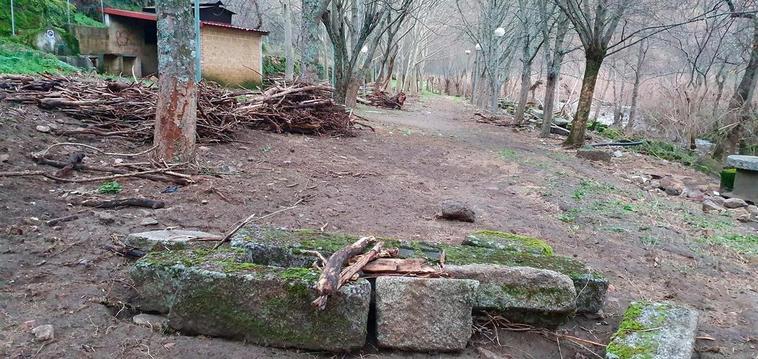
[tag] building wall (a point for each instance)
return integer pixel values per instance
(231, 56)
(92, 40)
(127, 37)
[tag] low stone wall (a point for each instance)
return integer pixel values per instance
(280, 247)
(261, 289)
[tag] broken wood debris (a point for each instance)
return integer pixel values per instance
(329, 281)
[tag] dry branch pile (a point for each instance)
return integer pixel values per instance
(383, 99)
(110, 108)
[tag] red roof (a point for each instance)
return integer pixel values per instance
(153, 17)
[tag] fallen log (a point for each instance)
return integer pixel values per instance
(329, 281)
(125, 202)
(619, 144)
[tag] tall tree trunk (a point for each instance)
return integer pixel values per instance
(593, 60)
(553, 73)
(289, 52)
(740, 103)
(311, 17)
(618, 113)
(351, 93)
(636, 89)
(176, 110)
(523, 97)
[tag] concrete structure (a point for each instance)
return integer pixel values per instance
(230, 54)
(746, 179)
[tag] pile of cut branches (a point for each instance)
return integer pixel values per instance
(127, 110)
(383, 99)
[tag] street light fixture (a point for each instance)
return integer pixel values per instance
(499, 32)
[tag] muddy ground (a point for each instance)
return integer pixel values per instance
(388, 182)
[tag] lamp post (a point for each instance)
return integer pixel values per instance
(198, 56)
(499, 33)
(13, 20)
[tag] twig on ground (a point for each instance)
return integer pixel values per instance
(250, 219)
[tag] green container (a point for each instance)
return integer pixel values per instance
(727, 179)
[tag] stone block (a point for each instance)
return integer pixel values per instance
(509, 241)
(165, 239)
(655, 331)
(521, 294)
(217, 293)
(424, 314)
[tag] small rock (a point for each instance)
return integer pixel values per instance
(594, 155)
(693, 194)
(43, 333)
(709, 206)
(29, 324)
(118, 160)
(717, 200)
(456, 211)
(734, 203)
(672, 327)
(671, 186)
(105, 217)
(487, 354)
(43, 128)
(156, 322)
(743, 215)
(149, 222)
(638, 180)
(4, 157)
(205, 201)
(203, 149)
(753, 210)
(618, 153)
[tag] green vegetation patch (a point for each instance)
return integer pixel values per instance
(672, 152)
(110, 187)
(16, 58)
(508, 241)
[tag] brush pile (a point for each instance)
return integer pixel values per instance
(127, 110)
(383, 99)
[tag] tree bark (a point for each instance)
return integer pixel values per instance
(289, 52)
(311, 17)
(636, 88)
(523, 97)
(741, 101)
(176, 109)
(593, 61)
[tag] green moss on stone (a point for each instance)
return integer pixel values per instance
(305, 274)
(636, 335)
(227, 260)
(510, 241)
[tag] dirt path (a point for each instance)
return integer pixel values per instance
(385, 183)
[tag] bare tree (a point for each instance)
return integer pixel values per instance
(289, 53)
(528, 18)
(554, 52)
(641, 54)
(596, 22)
(312, 11)
(740, 105)
(175, 117)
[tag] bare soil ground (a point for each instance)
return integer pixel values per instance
(390, 183)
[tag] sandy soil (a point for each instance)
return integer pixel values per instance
(388, 182)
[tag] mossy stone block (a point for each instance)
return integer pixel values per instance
(650, 330)
(508, 241)
(521, 294)
(217, 293)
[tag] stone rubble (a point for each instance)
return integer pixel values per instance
(44, 333)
